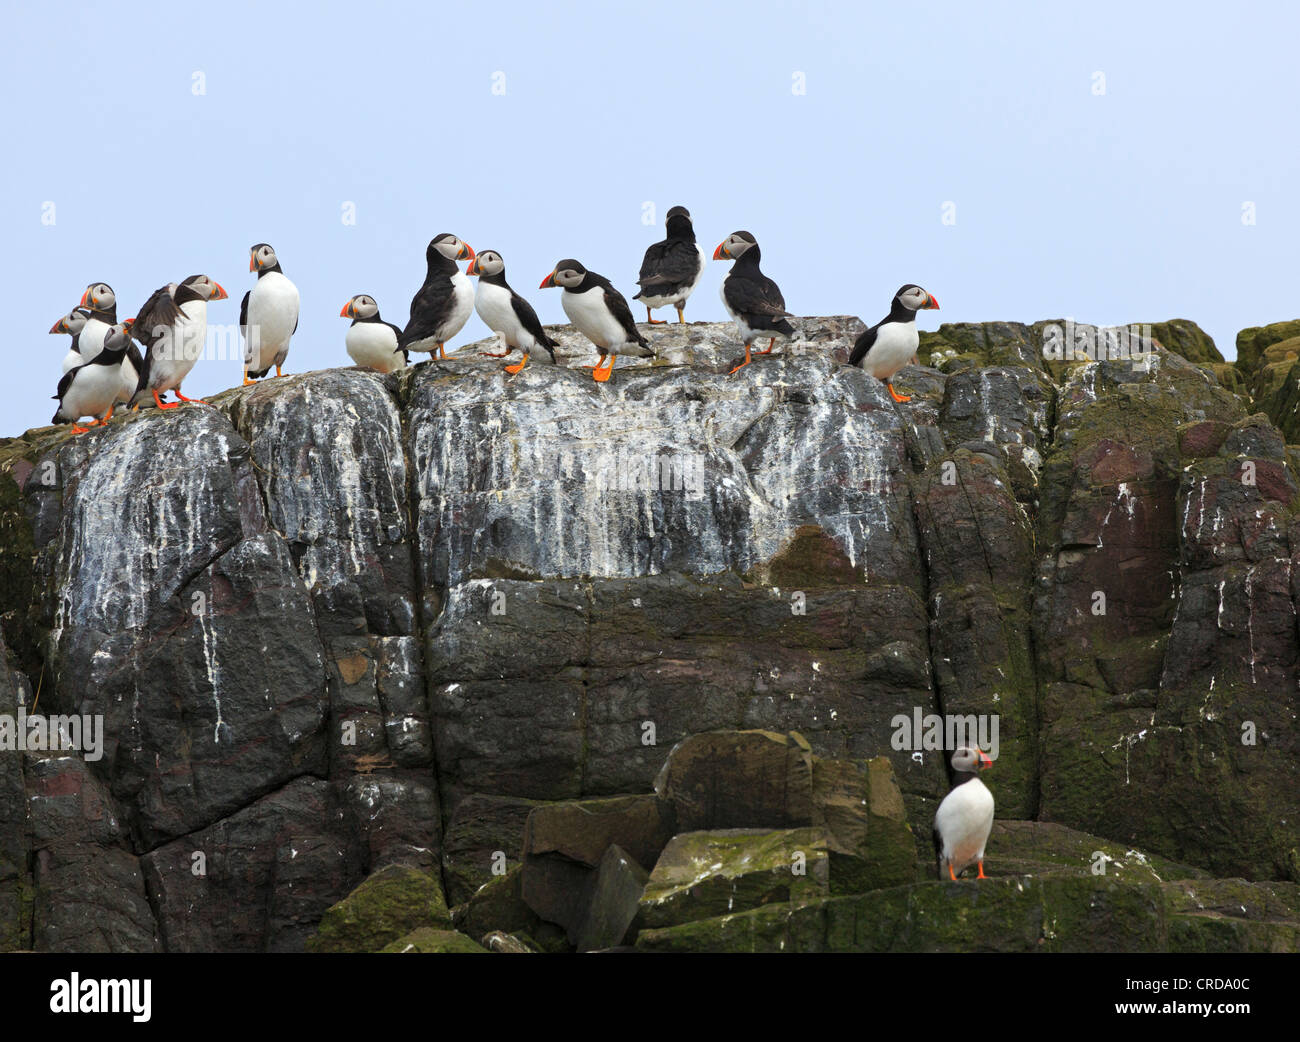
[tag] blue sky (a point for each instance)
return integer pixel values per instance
(1106, 207)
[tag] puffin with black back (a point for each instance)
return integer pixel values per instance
(672, 268)
(892, 342)
(600, 313)
(507, 314)
(965, 817)
(72, 323)
(750, 297)
(268, 315)
(93, 387)
(101, 301)
(446, 300)
(173, 327)
(372, 342)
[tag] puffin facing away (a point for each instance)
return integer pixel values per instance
(93, 388)
(72, 323)
(600, 313)
(891, 343)
(506, 313)
(446, 300)
(750, 297)
(268, 315)
(371, 341)
(671, 269)
(173, 327)
(965, 817)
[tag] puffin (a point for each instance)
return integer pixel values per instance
(600, 313)
(371, 341)
(965, 817)
(100, 299)
(173, 327)
(268, 315)
(506, 313)
(750, 297)
(446, 300)
(671, 269)
(891, 343)
(93, 387)
(72, 323)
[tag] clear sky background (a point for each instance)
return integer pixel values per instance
(1106, 207)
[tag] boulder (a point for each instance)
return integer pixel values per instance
(391, 903)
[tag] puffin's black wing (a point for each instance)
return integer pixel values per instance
(862, 345)
(156, 318)
(669, 265)
(758, 297)
(243, 314)
(428, 309)
(64, 383)
(529, 320)
(134, 356)
(618, 307)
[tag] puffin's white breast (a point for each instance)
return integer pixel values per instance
(593, 319)
(272, 316)
(493, 305)
(94, 388)
(964, 820)
(896, 343)
(373, 344)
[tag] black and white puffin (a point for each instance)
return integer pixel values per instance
(506, 313)
(671, 269)
(600, 313)
(892, 342)
(371, 341)
(750, 297)
(446, 300)
(102, 302)
(965, 817)
(173, 327)
(93, 387)
(268, 315)
(72, 323)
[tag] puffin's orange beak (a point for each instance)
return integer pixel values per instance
(85, 298)
(721, 252)
(220, 293)
(985, 762)
(472, 269)
(933, 305)
(127, 323)
(252, 262)
(548, 282)
(466, 252)
(61, 326)
(347, 310)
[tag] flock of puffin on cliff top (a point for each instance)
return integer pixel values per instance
(104, 368)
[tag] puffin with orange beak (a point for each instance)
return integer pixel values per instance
(72, 323)
(372, 342)
(750, 297)
(965, 817)
(600, 313)
(446, 300)
(892, 342)
(173, 327)
(100, 299)
(507, 314)
(93, 387)
(268, 315)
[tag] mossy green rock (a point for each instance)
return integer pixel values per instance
(393, 901)
(1184, 337)
(428, 941)
(1253, 342)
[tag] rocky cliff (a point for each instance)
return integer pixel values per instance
(420, 630)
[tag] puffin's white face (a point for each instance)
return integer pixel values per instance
(116, 338)
(206, 288)
(488, 262)
(73, 322)
(360, 306)
(261, 257)
(972, 761)
(734, 246)
(452, 248)
(916, 299)
(99, 296)
(569, 277)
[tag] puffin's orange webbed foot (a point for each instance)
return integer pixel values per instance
(518, 366)
(770, 344)
(165, 405)
(896, 396)
(653, 321)
(981, 875)
(742, 364)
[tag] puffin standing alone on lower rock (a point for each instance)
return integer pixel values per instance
(750, 297)
(72, 323)
(268, 315)
(92, 388)
(892, 342)
(102, 302)
(671, 269)
(371, 341)
(173, 327)
(965, 817)
(446, 300)
(506, 313)
(600, 313)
